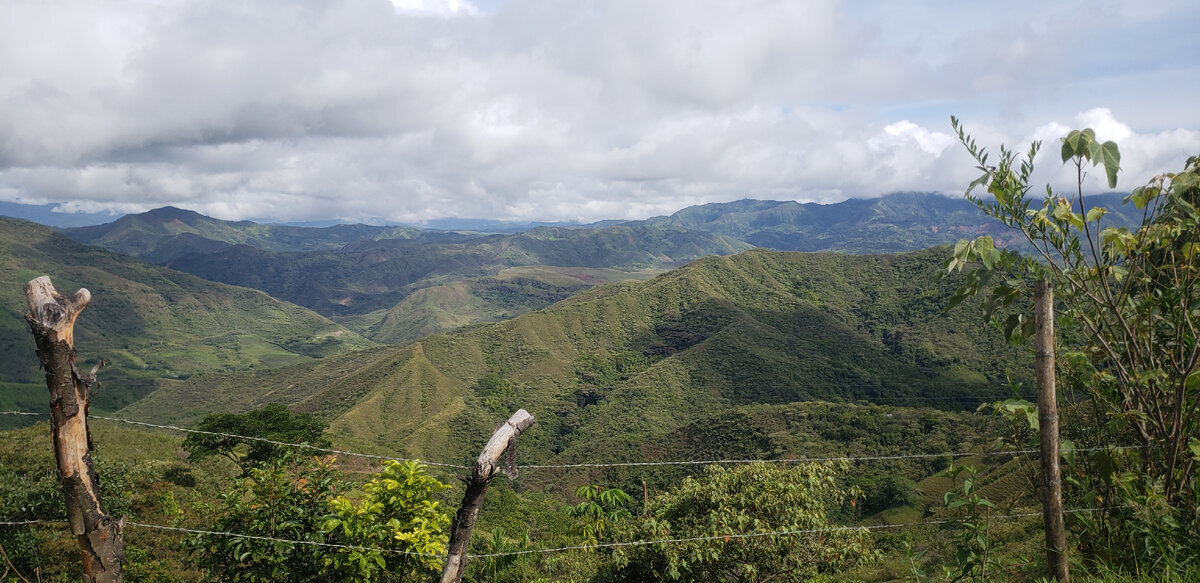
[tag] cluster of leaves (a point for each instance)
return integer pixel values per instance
(599, 510)
(1130, 307)
(290, 499)
(397, 511)
(725, 524)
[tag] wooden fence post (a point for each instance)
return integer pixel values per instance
(52, 320)
(485, 469)
(1052, 509)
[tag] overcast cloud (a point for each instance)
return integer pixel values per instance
(551, 110)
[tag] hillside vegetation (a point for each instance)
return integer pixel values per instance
(624, 363)
(150, 323)
(360, 274)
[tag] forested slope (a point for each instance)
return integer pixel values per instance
(148, 322)
(623, 363)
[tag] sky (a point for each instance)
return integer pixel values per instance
(552, 110)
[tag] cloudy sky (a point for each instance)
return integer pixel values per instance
(407, 110)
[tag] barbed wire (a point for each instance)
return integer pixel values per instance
(281, 540)
(639, 543)
(1012, 452)
(850, 458)
(24, 522)
(258, 439)
(757, 535)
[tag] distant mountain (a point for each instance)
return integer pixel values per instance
(493, 226)
(166, 233)
(367, 276)
(47, 214)
(892, 223)
(612, 369)
(512, 292)
(149, 322)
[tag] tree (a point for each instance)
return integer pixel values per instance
(731, 511)
(396, 512)
(599, 510)
(293, 499)
(1130, 301)
(286, 499)
(274, 422)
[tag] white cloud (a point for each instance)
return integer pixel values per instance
(415, 109)
(438, 7)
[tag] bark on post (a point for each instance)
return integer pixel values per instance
(52, 320)
(1052, 509)
(486, 467)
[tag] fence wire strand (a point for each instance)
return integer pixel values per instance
(850, 458)
(639, 543)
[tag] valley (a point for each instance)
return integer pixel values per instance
(641, 348)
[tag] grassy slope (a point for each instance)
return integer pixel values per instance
(622, 363)
(150, 322)
(512, 292)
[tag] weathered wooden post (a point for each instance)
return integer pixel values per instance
(1052, 509)
(485, 469)
(52, 320)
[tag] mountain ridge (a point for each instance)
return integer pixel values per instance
(612, 365)
(151, 323)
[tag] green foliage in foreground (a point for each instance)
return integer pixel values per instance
(396, 511)
(297, 500)
(747, 500)
(1130, 306)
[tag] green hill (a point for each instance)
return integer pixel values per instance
(375, 275)
(510, 293)
(359, 274)
(615, 367)
(151, 323)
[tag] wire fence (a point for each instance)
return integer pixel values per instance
(703, 462)
(583, 547)
(579, 547)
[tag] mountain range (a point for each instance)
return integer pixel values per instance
(622, 364)
(398, 284)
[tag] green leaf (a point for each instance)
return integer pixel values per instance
(1095, 213)
(1110, 156)
(981, 181)
(986, 249)
(1010, 325)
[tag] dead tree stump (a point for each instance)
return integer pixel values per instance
(52, 320)
(486, 467)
